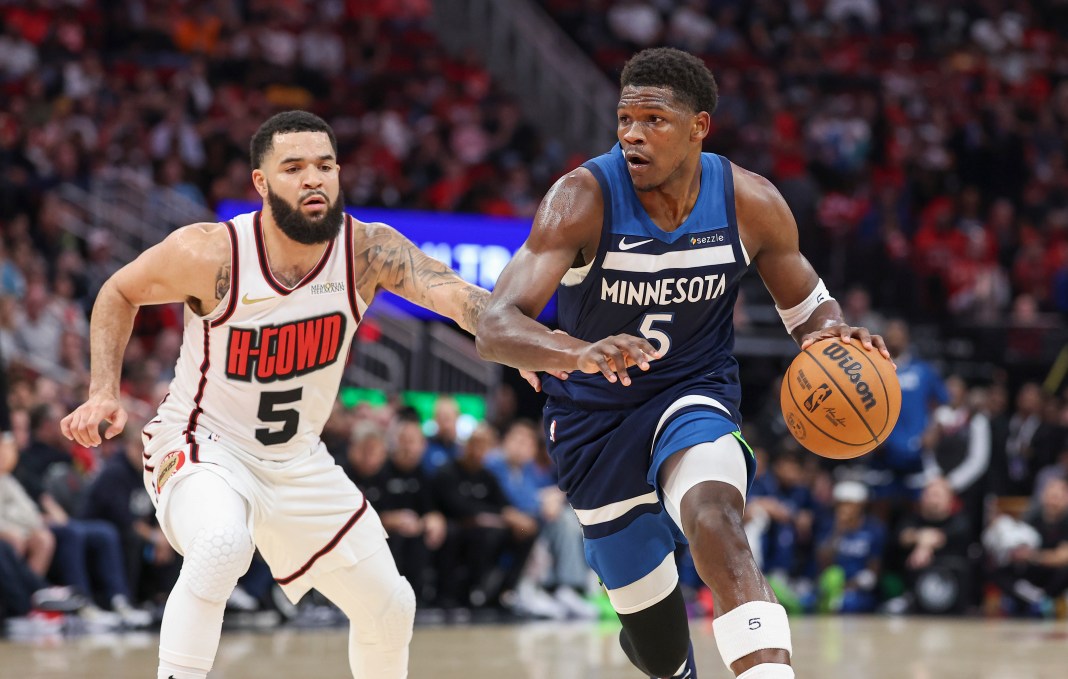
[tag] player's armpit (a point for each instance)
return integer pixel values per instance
(392, 262)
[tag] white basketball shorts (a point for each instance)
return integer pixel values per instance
(305, 515)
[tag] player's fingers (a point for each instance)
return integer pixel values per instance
(845, 332)
(560, 375)
(532, 380)
(645, 346)
(606, 370)
(864, 336)
(64, 427)
(91, 426)
(118, 422)
(880, 344)
(78, 428)
(618, 361)
(640, 353)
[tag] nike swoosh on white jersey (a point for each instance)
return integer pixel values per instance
(624, 245)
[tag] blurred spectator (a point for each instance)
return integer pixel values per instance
(443, 447)
(88, 553)
(399, 489)
(23, 590)
(636, 22)
(856, 309)
(786, 499)
(22, 527)
(899, 462)
(960, 446)
(1037, 575)
(1021, 465)
(39, 331)
(1057, 470)
(531, 490)
(937, 570)
(47, 448)
(117, 495)
(483, 527)
(851, 556)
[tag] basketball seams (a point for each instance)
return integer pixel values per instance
(801, 411)
(843, 391)
(886, 394)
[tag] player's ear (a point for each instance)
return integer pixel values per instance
(702, 123)
(259, 180)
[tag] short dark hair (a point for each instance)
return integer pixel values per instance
(689, 79)
(281, 123)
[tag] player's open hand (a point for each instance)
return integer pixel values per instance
(846, 332)
(83, 425)
(532, 377)
(613, 355)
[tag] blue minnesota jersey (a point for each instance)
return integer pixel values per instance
(677, 289)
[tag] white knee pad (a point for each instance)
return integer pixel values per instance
(398, 617)
(216, 558)
(753, 626)
(721, 460)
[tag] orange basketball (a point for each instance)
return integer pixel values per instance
(839, 400)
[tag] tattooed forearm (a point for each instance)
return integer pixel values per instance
(386, 259)
(222, 281)
(474, 304)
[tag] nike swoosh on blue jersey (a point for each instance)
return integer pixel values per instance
(624, 245)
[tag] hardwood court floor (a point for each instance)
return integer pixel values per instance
(841, 648)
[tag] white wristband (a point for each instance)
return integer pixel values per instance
(797, 315)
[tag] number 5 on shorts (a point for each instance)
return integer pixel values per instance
(660, 338)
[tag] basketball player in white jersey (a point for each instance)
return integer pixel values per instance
(233, 460)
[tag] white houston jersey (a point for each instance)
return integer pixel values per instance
(263, 369)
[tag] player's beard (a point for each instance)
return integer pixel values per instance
(298, 226)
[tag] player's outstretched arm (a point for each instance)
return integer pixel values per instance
(770, 236)
(191, 265)
(386, 259)
(566, 228)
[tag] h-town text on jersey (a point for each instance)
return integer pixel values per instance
(280, 352)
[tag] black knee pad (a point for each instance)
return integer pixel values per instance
(657, 639)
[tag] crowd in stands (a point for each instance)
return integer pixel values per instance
(921, 143)
(923, 152)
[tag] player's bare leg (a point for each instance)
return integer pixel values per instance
(712, 522)
(752, 632)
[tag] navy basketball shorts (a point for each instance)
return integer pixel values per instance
(608, 463)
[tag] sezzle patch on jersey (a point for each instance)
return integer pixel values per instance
(171, 463)
(279, 352)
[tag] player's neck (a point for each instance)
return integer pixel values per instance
(669, 204)
(289, 260)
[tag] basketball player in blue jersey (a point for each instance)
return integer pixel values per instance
(647, 244)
